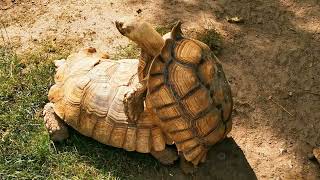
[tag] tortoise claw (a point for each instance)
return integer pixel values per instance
(133, 105)
(119, 26)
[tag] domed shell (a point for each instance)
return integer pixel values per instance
(189, 93)
(88, 95)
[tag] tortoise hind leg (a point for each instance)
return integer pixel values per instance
(57, 129)
(166, 157)
(186, 166)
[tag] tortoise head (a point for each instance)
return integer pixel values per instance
(141, 33)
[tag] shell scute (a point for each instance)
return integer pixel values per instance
(182, 79)
(162, 96)
(208, 123)
(187, 51)
(197, 102)
(118, 136)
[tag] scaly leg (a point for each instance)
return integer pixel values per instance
(57, 129)
(167, 156)
(186, 166)
(134, 101)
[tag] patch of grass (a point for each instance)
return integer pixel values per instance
(131, 51)
(26, 152)
(163, 29)
(22, 94)
(212, 38)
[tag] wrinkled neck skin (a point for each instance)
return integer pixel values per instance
(150, 42)
(144, 64)
(148, 39)
(148, 55)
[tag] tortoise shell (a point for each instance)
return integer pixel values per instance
(188, 91)
(88, 95)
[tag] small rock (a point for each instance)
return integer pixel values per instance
(316, 153)
(235, 19)
(259, 20)
(282, 150)
(290, 93)
(139, 11)
(290, 164)
(270, 97)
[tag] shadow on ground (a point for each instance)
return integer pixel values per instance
(225, 161)
(271, 60)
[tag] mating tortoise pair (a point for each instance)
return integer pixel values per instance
(179, 95)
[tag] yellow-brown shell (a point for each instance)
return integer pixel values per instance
(189, 93)
(88, 95)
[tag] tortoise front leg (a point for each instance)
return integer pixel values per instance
(134, 101)
(57, 129)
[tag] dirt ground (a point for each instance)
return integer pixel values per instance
(271, 59)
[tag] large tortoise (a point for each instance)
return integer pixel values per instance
(89, 94)
(178, 95)
(185, 86)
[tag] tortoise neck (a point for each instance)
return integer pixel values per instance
(148, 39)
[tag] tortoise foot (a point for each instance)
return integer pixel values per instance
(186, 166)
(166, 157)
(57, 129)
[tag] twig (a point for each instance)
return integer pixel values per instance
(6, 34)
(313, 93)
(54, 146)
(2, 36)
(270, 98)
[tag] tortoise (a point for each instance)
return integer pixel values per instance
(129, 104)
(89, 95)
(184, 84)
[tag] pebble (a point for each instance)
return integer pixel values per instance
(316, 153)
(290, 164)
(282, 150)
(221, 156)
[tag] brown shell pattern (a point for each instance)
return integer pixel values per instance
(191, 96)
(88, 95)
